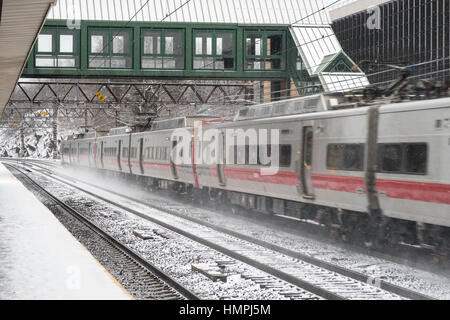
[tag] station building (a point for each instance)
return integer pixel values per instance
(413, 33)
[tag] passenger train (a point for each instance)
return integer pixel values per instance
(379, 171)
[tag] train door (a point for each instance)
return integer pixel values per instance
(130, 168)
(221, 159)
(173, 166)
(306, 164)
(141, 155)
(101, 154)
(118, 155)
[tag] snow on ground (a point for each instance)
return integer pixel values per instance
(39, 258)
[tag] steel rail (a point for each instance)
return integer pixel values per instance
(138, 259)
(384, 285)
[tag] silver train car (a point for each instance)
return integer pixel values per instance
(381, 171)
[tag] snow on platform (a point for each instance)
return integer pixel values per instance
(39, 258)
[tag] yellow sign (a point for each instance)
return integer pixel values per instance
(44, 113)
(15, 124)
(100, 97)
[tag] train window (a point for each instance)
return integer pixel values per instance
(267, 152)
(251, 154)
(345, 156)
(133, 153)
(334, 156)
(125, 152)
(391, 157)
(233, 152)
(181, 153)
(240, 152)
(247, 154)
(353, 157)
(157, 153)
(416, 158)
(150, 153)
(285, 155)
(84, 151)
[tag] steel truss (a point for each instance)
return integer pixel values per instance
(125, 93)
(41, 103)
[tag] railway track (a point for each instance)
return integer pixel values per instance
(324, 279)
(160, 285)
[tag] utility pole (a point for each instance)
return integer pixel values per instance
(55, 133)
(22, 141)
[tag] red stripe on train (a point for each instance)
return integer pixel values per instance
(337, 183)
(407, 190)
(281, 177)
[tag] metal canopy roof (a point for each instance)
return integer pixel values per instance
(338, 82)
(317, 45)
(20, 23)
(279, 12)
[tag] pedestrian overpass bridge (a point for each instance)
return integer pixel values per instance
(289, 42)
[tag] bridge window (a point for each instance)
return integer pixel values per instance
(57, 48)
(162, 49)
(214, 50)
(110, 48)
(265, 50)
(300, 65)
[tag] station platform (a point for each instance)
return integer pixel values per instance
(39, 258)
